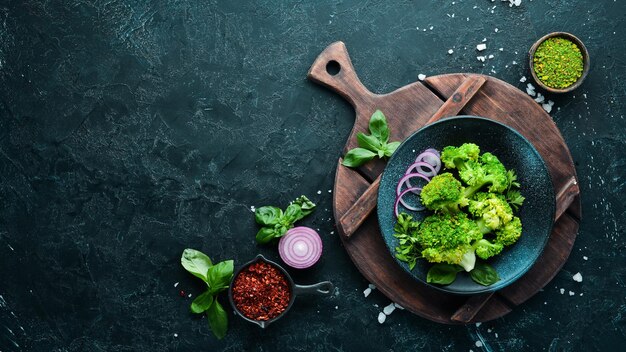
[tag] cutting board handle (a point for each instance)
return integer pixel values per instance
(333, 69)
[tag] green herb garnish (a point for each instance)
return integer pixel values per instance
(276, 222)
(558, 62)
(217, 277)
(372, 145)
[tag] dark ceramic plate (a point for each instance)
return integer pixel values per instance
(515, 152)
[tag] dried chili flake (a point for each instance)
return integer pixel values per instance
(261, 291)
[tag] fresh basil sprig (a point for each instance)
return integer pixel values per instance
(370, 146)
(275, 222)
(217, 277)
(445, 274)
(484, 274)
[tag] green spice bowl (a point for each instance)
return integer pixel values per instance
(583, 51)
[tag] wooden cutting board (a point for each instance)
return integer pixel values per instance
(407, 109)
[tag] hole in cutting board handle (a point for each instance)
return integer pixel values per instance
(333, 67)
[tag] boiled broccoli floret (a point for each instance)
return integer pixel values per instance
(444, 193)
(447, 238)
(485, 249)
(510, 232)
(492, 209)
(495, 174)
(465, 160)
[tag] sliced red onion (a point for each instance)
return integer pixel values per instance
(300, 247)
(418, 168)
(405, 178)
(399, 200)
(430, 158)
(434, 151)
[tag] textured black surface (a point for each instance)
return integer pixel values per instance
(130, 130)
(516, 153)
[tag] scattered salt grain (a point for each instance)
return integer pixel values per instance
(489, 330)
(540, 98)
(501, 49)
(562, 291)
(421, 76)
(491, 56)
(367, 292)
(484, 40)
(381, 317)
(189, 295)
(585, 95)
(530, 89)
(389, 309)
(548, 106)
(578, 277)
(176, 284)
(585, 257)
(479, 344)
(175, 335)
(581, 294)
(431, 28)
(336, 307)
(398, 306)
(252, 208)
(496, 334)
(319, 192)
(371, 286)
(450, 52)
(480, 58)
(514, 63)
(571, 293)
(523, 79)
(478, 324)
(481, 47)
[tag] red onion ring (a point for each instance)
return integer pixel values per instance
(399, 200)
(434, 151)
(418, 166)
(300, 247)
(431, 159)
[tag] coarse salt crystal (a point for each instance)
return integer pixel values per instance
(175, 335)
(421, 76)
(496, 30)
(375, 305)
(252, 208)
(484, 40)
(571, 293)
(491, 56)
(540, 98)
(481, 47)
(398, 306)
(478, 324)
(371, 286)
(496, 334)
(523, 79)
(389, 309)
(530, 90)
(547, 107)
(562, 291)
(176, 284)
(189, 295)
(501, 49)
(479, 344)
(450, 51)
(585, 257)
(319, 192)
(336, 307)
(480, 58)
(489, 330)
(578, 277)
(367, 292)
(381, 317)
(431, 28)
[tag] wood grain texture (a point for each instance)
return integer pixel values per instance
(407, 109)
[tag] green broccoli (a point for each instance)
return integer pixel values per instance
(447, 238)
(490, 208)
(485, 249)
(465, 160)
(444, 193)
(510, 232)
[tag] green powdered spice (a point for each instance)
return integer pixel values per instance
(558, 62)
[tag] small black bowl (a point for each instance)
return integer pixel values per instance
(515, 152)
(324, 288)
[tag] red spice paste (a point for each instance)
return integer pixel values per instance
(261, 291)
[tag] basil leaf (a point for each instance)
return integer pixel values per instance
(219, 275)
(268, 215)
(265, 235)
(196, 263)
(357, 157)
(391, 148)
(378, 126)
(305, 204)
(218, 320)
(442, 273)
(484, 274)
(381, 153)
(293, 213)
(202, 302)
(368, 142)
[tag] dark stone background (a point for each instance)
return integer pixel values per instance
(130, 130)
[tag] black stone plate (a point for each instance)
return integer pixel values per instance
(515, 152)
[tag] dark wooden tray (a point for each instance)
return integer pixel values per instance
(407, 109)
